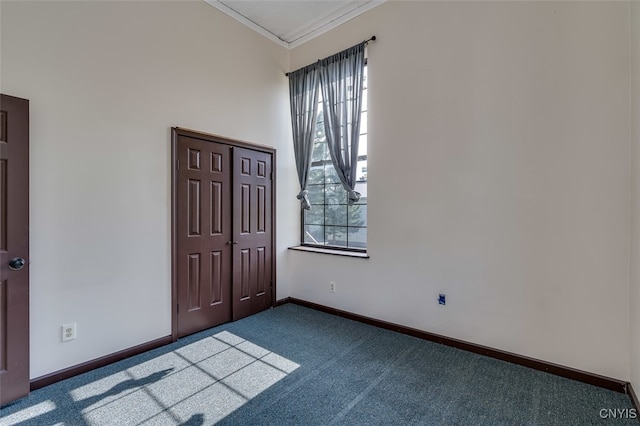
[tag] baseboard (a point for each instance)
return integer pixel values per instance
(559, 370)
(281, 302)
(69, 372)
(634, 398)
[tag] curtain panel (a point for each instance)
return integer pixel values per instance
(341, 82)
(303, 93)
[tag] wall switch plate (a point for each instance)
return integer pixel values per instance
(68, 332)
(442, 299)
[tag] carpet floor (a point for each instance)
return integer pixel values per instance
(296, 366)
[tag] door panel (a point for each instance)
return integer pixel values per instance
(203, 227)
(216, 277)
(252, 230)
(14, 244)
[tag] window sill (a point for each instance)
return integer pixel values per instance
(347, 253)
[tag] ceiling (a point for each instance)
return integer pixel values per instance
(293, 22)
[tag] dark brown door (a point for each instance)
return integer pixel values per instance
(252, 232)
(204, 245)
(14, 248)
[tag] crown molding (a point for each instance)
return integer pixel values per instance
(247, 22)
(335, 22)
(332, 23)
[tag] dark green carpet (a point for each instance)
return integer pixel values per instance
(296, 366)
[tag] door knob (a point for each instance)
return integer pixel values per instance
(231, 242)
(16, 263)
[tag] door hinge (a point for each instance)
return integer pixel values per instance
(177, 309)
(271, 176)
(177, 164)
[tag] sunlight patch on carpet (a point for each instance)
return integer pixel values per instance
(207, 379)
(30, 412)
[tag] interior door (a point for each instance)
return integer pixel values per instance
(252, 233)
(14, 248)
(204, 246)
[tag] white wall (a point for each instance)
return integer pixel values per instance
(635, 224)
(499, 175)
(106, 81)
(514, 200)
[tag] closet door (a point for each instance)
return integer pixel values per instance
(203, 234)
(252, 233)
(222, 236)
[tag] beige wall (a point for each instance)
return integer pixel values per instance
(106, 81)
(499, 175)
(635, 224)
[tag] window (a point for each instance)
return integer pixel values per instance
(331, 222)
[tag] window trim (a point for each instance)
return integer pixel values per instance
(331, 250)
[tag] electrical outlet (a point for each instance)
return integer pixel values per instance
(332, 286)
(68, 332)
(442, 299)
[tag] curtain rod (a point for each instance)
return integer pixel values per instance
(373, 38)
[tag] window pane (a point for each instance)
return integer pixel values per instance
(316, 194)
(362, 144)
(314, 216)
(320, 121)
(319, 151)
(361, 187)
(363, 123)
(336, 235)
(364, 100)
(336, 214)
(316, 175)
(330, 175)
(357, 215)
(358, 237)
(314, 234)
(335, 194)
(361, 173)
(320, 116)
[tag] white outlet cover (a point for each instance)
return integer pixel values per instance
(68, 332)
